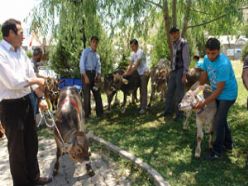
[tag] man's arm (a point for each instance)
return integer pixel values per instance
(84, 76)
(98, 67)
(245, 77)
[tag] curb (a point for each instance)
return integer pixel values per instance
(158, 179)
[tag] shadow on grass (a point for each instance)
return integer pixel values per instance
(169, 149)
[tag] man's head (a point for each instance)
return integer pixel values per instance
(174, 33)
(212, 48)
(134, 44)
(13, 33)
(37, 54)
(94, 42)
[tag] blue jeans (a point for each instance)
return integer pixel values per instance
(222, 131)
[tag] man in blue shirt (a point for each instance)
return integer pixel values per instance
(218, 69)
(90, 69)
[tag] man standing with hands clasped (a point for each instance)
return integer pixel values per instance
(90, 69)
(17, 78)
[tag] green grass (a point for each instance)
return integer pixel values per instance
(169, 149)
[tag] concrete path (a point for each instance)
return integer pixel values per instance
(107, 172)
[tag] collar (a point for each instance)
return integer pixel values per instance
(91, 50)
(7, 45)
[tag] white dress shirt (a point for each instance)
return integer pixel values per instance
(15, 70)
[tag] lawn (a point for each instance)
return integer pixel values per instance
(169, 149)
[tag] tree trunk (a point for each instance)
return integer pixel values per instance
(167, 26)
(174, 13)
(186, 17)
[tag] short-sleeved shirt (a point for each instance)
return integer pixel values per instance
(199, 64)
(221, 70)
(139, 54)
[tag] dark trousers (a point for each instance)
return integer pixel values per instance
(222, 131)
(175, 92)
(18, 120)
(143, 91)
(96, 93)
(34, 101)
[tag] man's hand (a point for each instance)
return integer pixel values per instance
(85, 79)
(184, 79)
(43, 105)
(36, 80)
(98, 77)
(199, 105)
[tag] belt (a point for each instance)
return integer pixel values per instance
(91, 71)
(18, 100)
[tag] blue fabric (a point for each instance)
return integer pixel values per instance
(221, 70)
(199, 64)
(90, 60)
(34, 102)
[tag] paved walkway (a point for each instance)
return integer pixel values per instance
(107, 172)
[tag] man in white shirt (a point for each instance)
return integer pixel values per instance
(17, 78)
(138, 63)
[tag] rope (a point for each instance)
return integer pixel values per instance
(48, 118)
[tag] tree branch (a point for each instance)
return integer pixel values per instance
(215, 19)
(207, 22)
(156, 4)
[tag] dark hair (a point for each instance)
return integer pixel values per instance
(174, 29)
(134, 41)
(213, 44)
(94, 38)
(8, 25)
(37, 51)
(196, 57)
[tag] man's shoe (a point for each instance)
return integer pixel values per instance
(43, 181)
(213, 156)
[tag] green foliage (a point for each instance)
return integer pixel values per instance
(244, 52)
(1, 37)
(161, 49)
(76, 22)
(118, 21)
(29, 54)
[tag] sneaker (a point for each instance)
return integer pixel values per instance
(213, 156)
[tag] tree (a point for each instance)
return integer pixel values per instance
(117, 21)
(200, 18)
(1, 37)
(76, 23)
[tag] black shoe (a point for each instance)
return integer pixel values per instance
(213, 156)
(43, 181)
